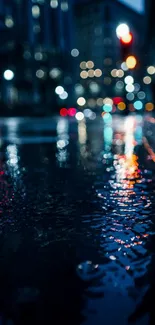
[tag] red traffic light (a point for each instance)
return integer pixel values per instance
(127, 39)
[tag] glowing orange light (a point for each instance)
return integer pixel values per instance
(149, 107)
(121, 106)
(126, 39)
(131, 62)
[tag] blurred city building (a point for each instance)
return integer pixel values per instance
(58, 54)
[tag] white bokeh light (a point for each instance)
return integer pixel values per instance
(59, 90)
(79, 116)
(8, 74)
(122, 30)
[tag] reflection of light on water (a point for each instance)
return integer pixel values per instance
(82, 132)
(12, 155)
(62, 127)
(62, 142)
(108, 132)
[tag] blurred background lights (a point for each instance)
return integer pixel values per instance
(72, 111)
(119, 85)
(64, 95)
(147, 80)
(91, 73)
(129, 88)
(63, 112)
(83, 65)
(9, 22)
(141, 95)
(54, 4)
(114, 73)
(108, 100)
(40, 73)
(120, 73)
(149, 107)
(79, 116)
(126, 39)
(98, 73)
(87, 112)
(90, 64)
(81, 101)
(79, 89)
(38, 56)
(131, 62)
(55, 73)
(107, 117)
(130, 96)
(122, 30)
(137, 87)
(64, 6)
(35, 11)
(121, 106)
(8, 75)
(138, 105)
(94, 87)
(151, 70)
(107, 108)
(59, 90)
(84, 74)
(129, 80)
(124, 66)
(75, 52)
(99, 101)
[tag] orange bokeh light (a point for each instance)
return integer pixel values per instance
(131, 62)
(126, 39)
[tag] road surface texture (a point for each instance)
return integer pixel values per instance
(77, 221)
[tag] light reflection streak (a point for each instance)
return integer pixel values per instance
(62, 154)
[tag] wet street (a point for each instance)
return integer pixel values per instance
(77, 221)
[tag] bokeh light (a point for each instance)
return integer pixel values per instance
(98, 73)
(138, 105)
(107, 108)
(141, 95)
(114, 73)
(131, 62)
(90, 64)
(129, 80)
(81, 101)
(8, 75)
(147, 80)
(130, 96)
(126, 39)
(84, 74)
(122, 30)
(83, 65)
(63, 112)
(91, 73)
(72, 111)
(151, 70)
(129, 88)
(75, 52)
(59, 90)
(79, 116)
(149, 107)
(121, 106)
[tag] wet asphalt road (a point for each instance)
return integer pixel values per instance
(77, 221)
